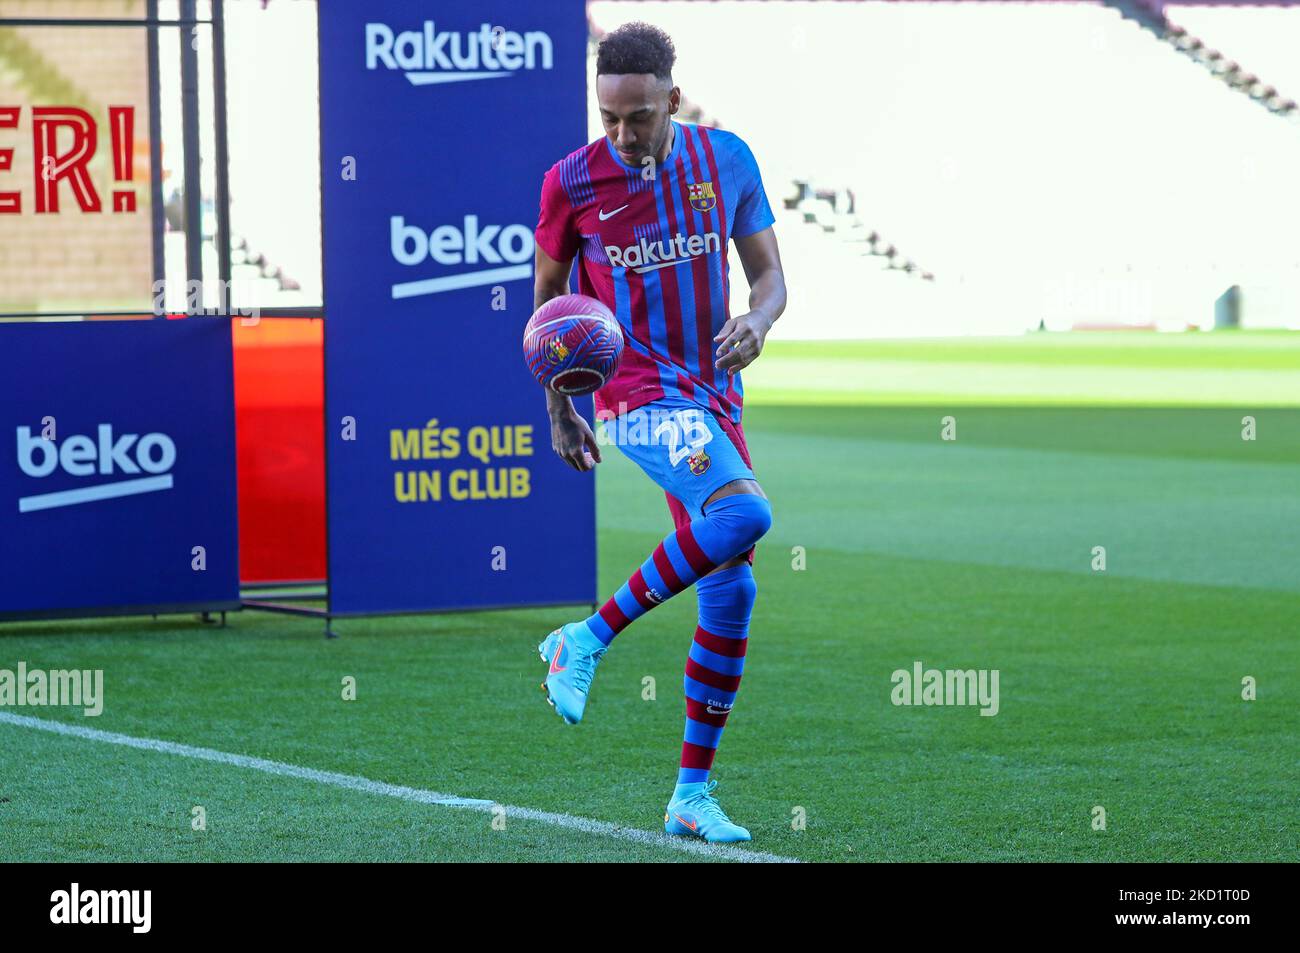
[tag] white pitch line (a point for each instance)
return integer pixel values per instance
(418, 795)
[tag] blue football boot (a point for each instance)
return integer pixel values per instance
(572, 653)
(694, 811)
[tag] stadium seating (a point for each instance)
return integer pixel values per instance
(112, 264)
(1050, 163)
(1263, 40)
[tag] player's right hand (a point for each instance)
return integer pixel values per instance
(573, 441)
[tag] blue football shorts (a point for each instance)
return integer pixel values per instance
(688, 450)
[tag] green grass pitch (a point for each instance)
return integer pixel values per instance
(1119, 689)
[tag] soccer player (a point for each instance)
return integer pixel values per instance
(650, 210)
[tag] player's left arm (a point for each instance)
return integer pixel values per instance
(742, 337)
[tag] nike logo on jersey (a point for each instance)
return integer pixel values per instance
(608, 215)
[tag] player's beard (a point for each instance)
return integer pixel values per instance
(660, 145)
(663, 145)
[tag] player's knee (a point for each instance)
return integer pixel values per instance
(726, 599)
(746, 589)
(747, 515)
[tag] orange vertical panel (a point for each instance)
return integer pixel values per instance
(280, 443)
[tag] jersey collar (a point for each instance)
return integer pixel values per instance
(673, 153)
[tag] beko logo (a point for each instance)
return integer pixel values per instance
(80, 455)
(428, 56)
(500, 252)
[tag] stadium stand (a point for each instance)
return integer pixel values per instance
(41, 268)
(1263, 38)
(1261, 45)
(1072, 171)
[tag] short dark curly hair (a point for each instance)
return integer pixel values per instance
(636, 48)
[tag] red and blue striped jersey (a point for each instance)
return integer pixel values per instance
(653, 248)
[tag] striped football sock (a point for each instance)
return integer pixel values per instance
(714, 666)
(732, 525)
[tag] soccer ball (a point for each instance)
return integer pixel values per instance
(572, 345)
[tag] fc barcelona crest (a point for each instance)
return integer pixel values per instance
(701, 196)
(556, 351)
(699, 462)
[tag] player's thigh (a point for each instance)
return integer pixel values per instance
(735, 488)
(681, 447)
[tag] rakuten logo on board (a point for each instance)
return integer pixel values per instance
(427, 56)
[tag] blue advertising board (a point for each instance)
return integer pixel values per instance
(438, 122)
(117, 482)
